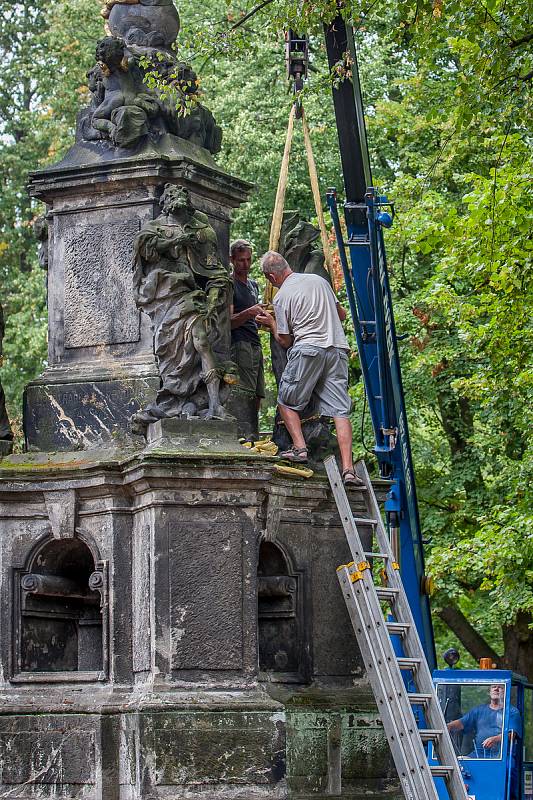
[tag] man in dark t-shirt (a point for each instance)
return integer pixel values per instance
(245, 344)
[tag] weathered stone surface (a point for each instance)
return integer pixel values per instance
(179, 706)
(77, 415)
(98, 341)
(57, 753)
(195, 436)
(99, 304)
(219, 748)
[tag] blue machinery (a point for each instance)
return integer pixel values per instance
(369, 297)
(507, 772)
(504, 772)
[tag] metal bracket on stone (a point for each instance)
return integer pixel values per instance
(61, 507)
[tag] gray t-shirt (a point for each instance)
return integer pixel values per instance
(306, 307)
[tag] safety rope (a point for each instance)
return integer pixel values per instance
(279, 204)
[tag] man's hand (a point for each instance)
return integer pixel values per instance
(341, 312)
(491, 742)
(265, 318)
(253, 311)
(269, 321)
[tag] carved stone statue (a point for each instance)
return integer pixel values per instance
(122, 106)
(6, 435)
(186, 291)
(123, 109)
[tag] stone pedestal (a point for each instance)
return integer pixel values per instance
(101, 367)
(172, 626)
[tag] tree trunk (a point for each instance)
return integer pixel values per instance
(518, 646)
(467, 635)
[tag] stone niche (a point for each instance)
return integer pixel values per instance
(101, 367)
(178, 631)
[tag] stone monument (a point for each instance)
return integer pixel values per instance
(171, 620)
(129, 144)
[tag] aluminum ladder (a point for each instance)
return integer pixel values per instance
(365, 601)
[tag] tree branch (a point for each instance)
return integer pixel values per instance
(467, 635)
(251, 13)
(523, 40)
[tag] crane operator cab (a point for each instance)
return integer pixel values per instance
(489, 714)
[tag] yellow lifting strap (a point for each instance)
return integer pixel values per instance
(279, 205)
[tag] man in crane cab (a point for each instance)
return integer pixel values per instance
(307, 322)
(5, 429)
(246, 349)
(485, 724)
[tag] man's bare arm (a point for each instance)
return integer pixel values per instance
(236, 320)
(269, 321)
(341, 312)
(455, 725)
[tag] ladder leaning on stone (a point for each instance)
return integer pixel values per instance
(384, 668)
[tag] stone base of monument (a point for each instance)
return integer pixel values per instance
(74, 414)
(243, 406)
(172, 626)
(194, 435)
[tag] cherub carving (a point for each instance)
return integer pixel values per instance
(122, 103)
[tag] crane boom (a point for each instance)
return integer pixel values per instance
(369, 297)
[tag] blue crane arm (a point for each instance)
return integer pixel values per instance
(370, 301)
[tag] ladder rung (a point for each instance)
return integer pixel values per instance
(365, 520)
(419, 698)
(378, 555)
(397, 627)
(408, 662)
(430, 734)
(386, 593)
(441, 771)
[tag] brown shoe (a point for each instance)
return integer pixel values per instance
(350, 478)
(298, 455)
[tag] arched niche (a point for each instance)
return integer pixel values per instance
(61, 627)
(280, 616)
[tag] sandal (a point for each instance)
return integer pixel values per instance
(297, 455)
(350, 478)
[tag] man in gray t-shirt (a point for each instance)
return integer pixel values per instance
(308, 321)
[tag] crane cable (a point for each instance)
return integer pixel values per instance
(279, 205)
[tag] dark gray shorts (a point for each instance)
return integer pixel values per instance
(318, 373)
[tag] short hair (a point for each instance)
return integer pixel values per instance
(274, 263)
(239, 244)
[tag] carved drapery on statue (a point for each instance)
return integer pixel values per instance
(123, 110)
(186, 291)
